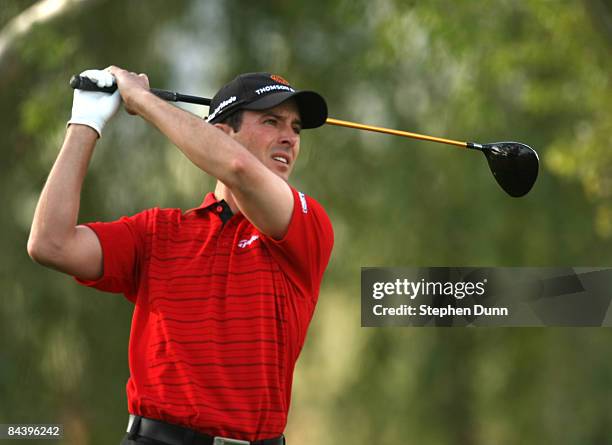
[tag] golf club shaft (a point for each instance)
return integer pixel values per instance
(83, 83)
(407, 134)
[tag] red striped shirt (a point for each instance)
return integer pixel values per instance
(221, 312)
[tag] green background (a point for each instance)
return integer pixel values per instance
(535, 71)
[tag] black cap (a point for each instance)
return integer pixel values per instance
(260, 91)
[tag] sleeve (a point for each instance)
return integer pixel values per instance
(303, 253)
(123, 245)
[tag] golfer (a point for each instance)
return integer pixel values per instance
(223, 293)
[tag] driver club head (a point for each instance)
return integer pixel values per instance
(514, 165)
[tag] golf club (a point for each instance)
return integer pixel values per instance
(513, 164)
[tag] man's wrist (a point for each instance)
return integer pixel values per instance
(83, 131)
(138, 100)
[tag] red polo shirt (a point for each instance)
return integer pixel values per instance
(221, 312)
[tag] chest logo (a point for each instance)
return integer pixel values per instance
(247, 242)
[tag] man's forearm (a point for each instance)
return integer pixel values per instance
(206, 146)
(57, 211)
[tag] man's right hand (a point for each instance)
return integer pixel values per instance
(131, 86)
(93, 108)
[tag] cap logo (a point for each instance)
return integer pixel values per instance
(273, 87)
(279, 79)
(221, 106)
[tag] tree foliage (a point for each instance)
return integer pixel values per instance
(533, 71)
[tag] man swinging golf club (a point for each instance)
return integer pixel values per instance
(223, 293)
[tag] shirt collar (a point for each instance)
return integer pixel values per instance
(209, 201)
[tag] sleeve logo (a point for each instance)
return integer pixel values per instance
(303, 201)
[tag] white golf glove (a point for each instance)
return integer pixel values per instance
(94, 108)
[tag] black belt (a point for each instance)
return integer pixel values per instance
(178, 435)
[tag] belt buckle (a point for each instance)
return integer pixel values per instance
(218, 440)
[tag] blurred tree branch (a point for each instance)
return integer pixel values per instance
(40, 12)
